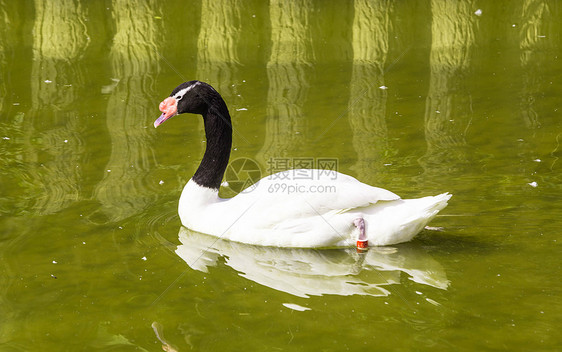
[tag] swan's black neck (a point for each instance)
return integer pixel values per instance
(218, 131)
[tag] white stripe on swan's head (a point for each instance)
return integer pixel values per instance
(179, 95)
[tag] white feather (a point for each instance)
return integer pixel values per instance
(283, 210)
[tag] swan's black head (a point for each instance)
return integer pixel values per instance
(200, 98)
(190, 97)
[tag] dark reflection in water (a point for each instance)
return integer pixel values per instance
(52, 126)
(134, 55)
(538, 25)
(289, 70)
(448, 110)
(368, 93)
(306, 272)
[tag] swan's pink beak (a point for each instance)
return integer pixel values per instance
(169, 108)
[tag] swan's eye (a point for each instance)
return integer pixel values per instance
(178, 97)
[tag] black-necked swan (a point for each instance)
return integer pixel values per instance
(350, 214)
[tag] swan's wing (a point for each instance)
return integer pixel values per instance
(325, 189)
(301, 193)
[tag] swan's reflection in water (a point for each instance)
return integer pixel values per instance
(309, 272)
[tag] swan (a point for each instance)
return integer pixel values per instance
(350, 214)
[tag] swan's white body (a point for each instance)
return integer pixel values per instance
(289, 210)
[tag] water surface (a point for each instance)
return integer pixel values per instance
(417, 97)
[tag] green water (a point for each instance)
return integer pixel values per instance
(417, 97)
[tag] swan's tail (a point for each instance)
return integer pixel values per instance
(401, 222)
(436, 203)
